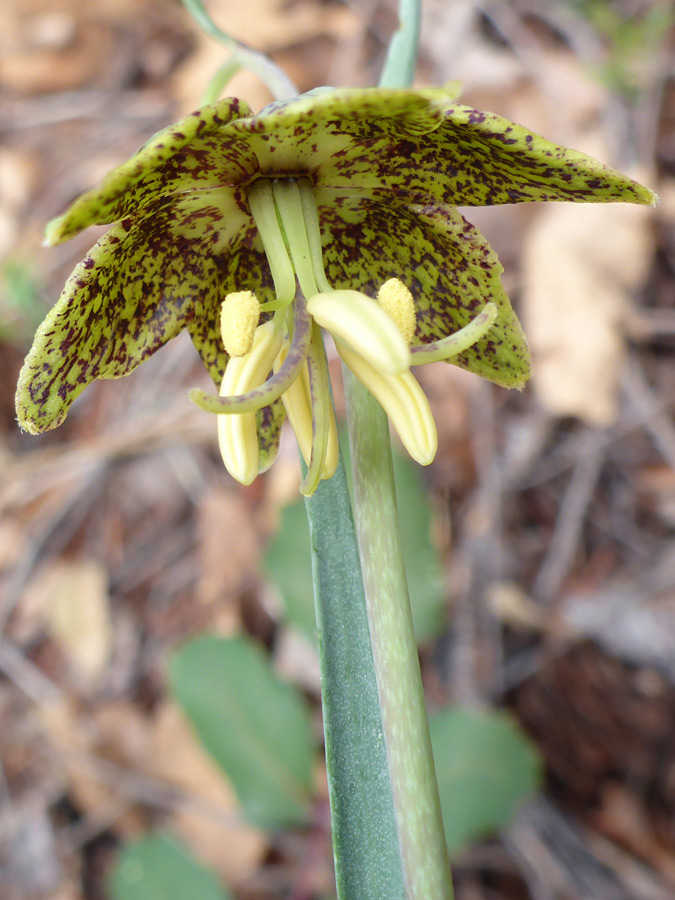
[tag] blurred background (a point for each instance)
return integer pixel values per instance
(547, 517)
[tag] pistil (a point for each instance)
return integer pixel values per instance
(274, 387)
(456, 343)
(263, 209)
(291, 211)
(373, 337)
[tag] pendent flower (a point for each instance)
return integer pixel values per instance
(336, 212)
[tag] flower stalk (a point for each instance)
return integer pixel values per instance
(417, 809)
(278, 82)
(424, 856)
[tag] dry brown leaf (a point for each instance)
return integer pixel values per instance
(228, 549)
(581, 265)
(71, 737)
(623, 817)
(511, 605)
(70, 599)
(18, 174)
(18, 177)
(36, 67)
(656, 490)
(123, 734)
(103, 752)
(561, 100)
(221, 839)
(195, 74)
(13, 542)
(296, 660)
(68, 891)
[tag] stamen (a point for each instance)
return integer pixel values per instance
(263, 209)
(238, 443)
(397, 301)
(322, 413)
(403, 400)
(297, 404)
(239, 317)
(244, 372)
(455, 343)
(290, 209)
(274, 387)
(237, 435)
(364, 326)
(313, 228)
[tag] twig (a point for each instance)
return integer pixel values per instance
(645, 401)
(590, 456)
(480, 554)
(25, 569)
(567, 861)
(26, 676)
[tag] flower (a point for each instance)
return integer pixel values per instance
(303, 212)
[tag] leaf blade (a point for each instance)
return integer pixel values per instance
(256, 727)
(485, 766)
(158, 868)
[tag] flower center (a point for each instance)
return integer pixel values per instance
(283, 359)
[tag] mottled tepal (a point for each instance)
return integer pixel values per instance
(334, 211)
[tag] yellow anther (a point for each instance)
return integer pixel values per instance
(404, 402)
(239, 317)
(237, 433)
(362, 325)
(397, 301)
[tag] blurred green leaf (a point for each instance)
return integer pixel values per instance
(486, 767)
(158, 868)
(422, 563)
(289, 564)
(21, 309)
(255, 726)
(632, 37)
(288, 560)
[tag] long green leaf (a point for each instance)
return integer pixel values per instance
(365, 840)
(287, 559)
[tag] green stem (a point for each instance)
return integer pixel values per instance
(404, 718)
(280, 85)
(399, 66)
(216, 86)
(417, 807)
